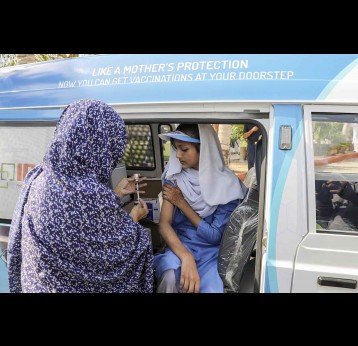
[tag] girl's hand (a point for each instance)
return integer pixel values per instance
(173, 195)
(189, 278)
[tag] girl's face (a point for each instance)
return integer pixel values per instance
(187, 154)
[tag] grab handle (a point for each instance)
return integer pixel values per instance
(337, 282)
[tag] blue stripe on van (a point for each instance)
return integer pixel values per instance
(31, 114)
(326, 91)
(282, 159)
(4, 284)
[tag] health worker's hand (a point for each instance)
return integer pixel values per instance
(139, 211)
(127, 186)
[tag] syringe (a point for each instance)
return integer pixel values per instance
(136, 181)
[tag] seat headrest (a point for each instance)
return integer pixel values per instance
(250, 178)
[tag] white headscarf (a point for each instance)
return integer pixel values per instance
(213, 184)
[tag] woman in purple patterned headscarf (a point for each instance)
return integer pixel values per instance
(69, 233)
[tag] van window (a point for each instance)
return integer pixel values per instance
(21, 149)
(166, 145)
(139, 152)
(335, 145)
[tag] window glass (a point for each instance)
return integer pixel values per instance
(21, 149)
(139, 152)
(335, 146)
(166, 144)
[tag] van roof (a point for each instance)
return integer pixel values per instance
(153, 78)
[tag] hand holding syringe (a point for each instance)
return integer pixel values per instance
(128, 186)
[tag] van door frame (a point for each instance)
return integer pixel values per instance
(214, 114)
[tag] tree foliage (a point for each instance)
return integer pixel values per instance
(237, 132)
(13, 59)
(46, 57)
(329, 132)
(8, 60)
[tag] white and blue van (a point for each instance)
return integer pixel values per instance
(306, 233)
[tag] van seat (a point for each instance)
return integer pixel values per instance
(250, 176)
(239, 239)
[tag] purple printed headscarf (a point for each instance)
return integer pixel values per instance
(69, 233)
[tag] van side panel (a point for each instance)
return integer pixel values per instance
(287, 214)
(30, 115)
(138, 78)
(342, 86)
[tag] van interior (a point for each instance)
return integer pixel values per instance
(238, 250)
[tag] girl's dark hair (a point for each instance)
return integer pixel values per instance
(191, 130)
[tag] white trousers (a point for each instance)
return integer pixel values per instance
(167, 283)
